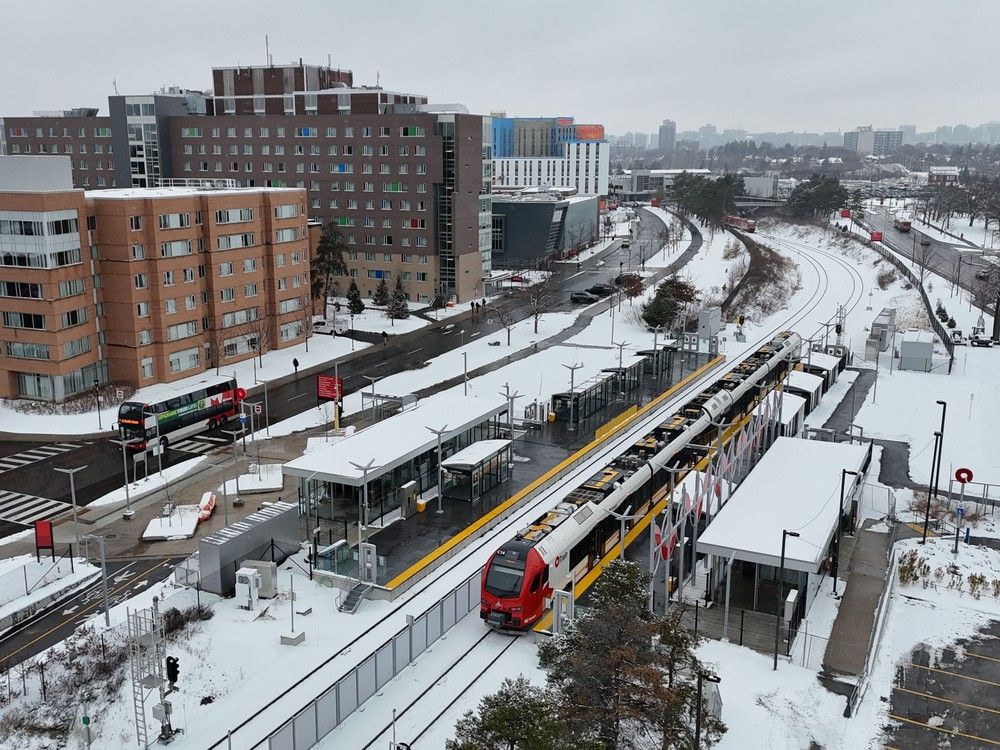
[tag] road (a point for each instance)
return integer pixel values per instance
(942, 257)
(126, 578)
(29, 484)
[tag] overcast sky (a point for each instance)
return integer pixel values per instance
(766, 65)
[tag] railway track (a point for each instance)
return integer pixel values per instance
(269, 717)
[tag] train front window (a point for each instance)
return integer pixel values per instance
(504, 579)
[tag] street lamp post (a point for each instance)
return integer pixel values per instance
(97, 399)
(267, 411)
(104, 576)
(234, 434)
(465, 373)
(439, 434)
(372, 378)
(72, 496)
(930, 485)
(621, 370)
(707, 677)
(836, 533)
(785, 533)
(128, 513)
(937, 474)
(363, 509)
(572, 385)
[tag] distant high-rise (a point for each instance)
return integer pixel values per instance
(868, 141)
(909, 133)
(642, 140)
(667, 135)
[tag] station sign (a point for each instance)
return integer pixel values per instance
(329, 388)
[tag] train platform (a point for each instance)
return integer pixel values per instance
(410, 547)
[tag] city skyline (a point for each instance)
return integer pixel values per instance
(840, 80)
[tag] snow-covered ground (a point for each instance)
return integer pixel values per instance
(152, 483)
(711, 272)
(267, 478)
(372, 319)
(276, 364)
(24, 580)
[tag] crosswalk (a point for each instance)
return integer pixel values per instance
(26, 509)
(200, 444)
(42, 452)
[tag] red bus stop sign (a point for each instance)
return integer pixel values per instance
(963, 475)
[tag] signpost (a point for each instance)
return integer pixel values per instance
(331, 388)
(44, 539)
(962, 476)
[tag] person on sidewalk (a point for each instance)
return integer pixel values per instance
(295, 364)
(385, 338)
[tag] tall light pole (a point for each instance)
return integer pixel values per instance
(72, 495)
(363, 508)
(465, 373)
(572, 396)
(372, 379)
(707, 677)
(930, 484)
(234, 434)
(128, 513)
(104, 576)
(937, 474)
(439, 434)
(267, 411)
(785, 533)
(97, 399)
(511, 397)
(621, 370)
(836, 533)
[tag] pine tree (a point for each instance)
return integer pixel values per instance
(381, 296)
(398, 309)
(327, 263)
(354, 304)
(520, 716)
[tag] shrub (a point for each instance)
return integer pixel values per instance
(885, 278)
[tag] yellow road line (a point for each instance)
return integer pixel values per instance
(944, 700)
(981, 656)
(98, 602)
(954, 674)
(525, 491)
(953, 732)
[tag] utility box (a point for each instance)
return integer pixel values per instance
(408, 498)
(916, 351)
(709, 322)
(268, 576)
(883, 327)
(247, 588)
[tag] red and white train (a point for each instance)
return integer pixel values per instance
(558, 548)
(738, 222)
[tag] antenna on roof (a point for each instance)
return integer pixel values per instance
(329, 60)
(378, 76)
(267, 50)
(114, 84)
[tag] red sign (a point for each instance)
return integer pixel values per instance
(43, 535)
(845, 213)
(963, 475)
(876, 236)
(329, 388)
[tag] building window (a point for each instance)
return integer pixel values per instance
(190, 302)
(140, 281)
(145, 338)
(231, 241)
(250, 290)
(249, 265)
(182, 331)
(228, 294)
(76, 347)
(73, 318)
(142, 310)
(184, 360)
(24, 320)
(289, 305)
(168, 278)
(233, 215)
(135, 223)
(147, 368)
(138, 252)
(170, 306)
(175, 249)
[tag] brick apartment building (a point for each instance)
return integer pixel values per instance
(142, 285)
(409, 187)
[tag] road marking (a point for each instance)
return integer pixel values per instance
(418, 349)
(475, 334)
(32, 455)
(74, 617)
(292, 398)
(953, 732)
(944, 700)
(578, 273)
(25, 509)
(954, 674)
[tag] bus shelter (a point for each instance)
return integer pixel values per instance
(475, 470)
(587, 398)
(629, 376)
(659, 361)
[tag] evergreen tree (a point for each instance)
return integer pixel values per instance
(819, 194)
(327, 263)
(381, 296)
(397, 308)
(520, 716)
(670, 295)
(354, 304)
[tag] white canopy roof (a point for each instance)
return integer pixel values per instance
(790, 406)
(796, 486)
(805, 381)
(475, 454)
(393, 441)
(820, 359)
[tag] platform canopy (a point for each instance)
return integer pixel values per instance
(395, 440)
(823, 361)
(475, 454)
(796, 486)
(804, 381)
(790, 406)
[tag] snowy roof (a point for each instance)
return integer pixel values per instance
(805, 381)
(796, 486)
(476, 453)
(233, 530)
(393, 441)
(918, 337)
(790, 406)
(176, 192)
(825, 361)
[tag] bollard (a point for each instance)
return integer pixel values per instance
(696, 617)
(742, 612)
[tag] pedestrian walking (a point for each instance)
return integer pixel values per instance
(295, 364)
(385, 338)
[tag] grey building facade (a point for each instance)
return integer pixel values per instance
(528, 230)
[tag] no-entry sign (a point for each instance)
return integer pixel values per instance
(963, 475)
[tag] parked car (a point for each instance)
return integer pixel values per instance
(329, 327)
(601, 290)
(584, 297)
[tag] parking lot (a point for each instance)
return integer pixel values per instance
(950, 700)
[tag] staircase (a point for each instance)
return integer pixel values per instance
(352, 601)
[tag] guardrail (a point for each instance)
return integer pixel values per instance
(875, 638)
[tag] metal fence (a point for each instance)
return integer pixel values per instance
(881, 611)
(329, 709)
(32, 576)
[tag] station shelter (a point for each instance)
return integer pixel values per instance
(476, 469)
(793, 414)
(806, 385)
(402, 452)
(796, 486)
(589, 397)
(826, 366)
(659, 361)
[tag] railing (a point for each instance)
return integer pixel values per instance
(875, 638)
(330, 708)
(22, 581)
